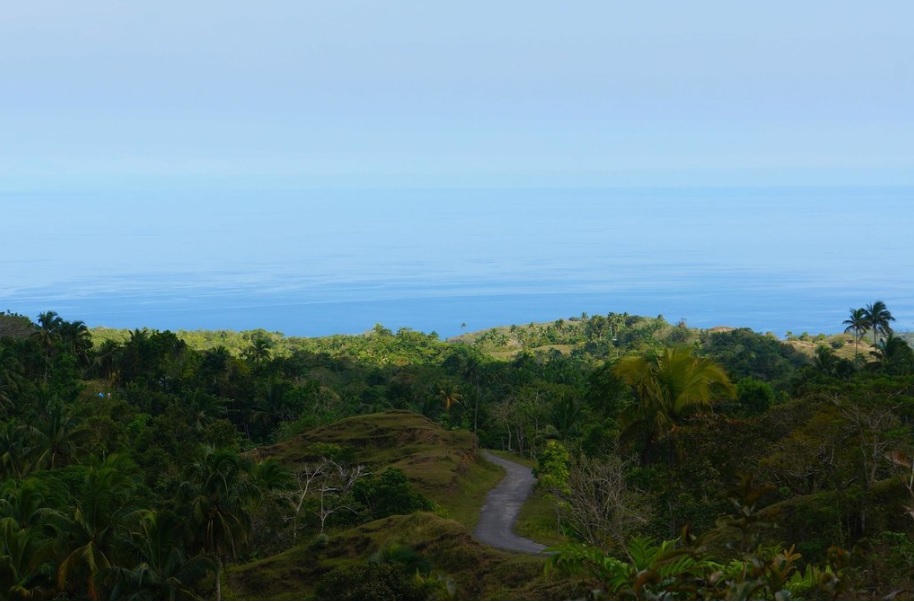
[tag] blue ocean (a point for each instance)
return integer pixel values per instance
(308, 262)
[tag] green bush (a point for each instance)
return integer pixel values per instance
(389, 494)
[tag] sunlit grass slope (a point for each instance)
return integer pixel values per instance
(441, 464)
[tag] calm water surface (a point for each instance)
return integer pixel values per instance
(318, 262)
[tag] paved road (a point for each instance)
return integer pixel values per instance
(498, 515)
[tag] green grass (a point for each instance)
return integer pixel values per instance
(481, 478)
(537, 520)
(443, 465)
(479, 572)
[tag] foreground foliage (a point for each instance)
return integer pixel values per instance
(690, 567)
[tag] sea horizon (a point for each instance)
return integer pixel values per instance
(455, 260)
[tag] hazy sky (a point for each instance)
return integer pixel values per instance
(115, 94)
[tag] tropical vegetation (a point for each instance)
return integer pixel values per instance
(673, 462)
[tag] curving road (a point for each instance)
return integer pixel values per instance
(498, 515)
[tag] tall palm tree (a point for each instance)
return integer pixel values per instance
(25, 562)
(894, 355)
(26, 501)
(162, 569)
(202, 409)
(565, 412)
(96, 525)
(11, 377)
(133, 355)
(106, 359)
(668, 388)
(260, 351)
(58, 436)
(219, 489)
(877, 319)
(273, 403)
(215, 369)
(49, 323)
(26, 551)
(857, 322)
(48, 335)
(16, 452)
(472, 371)
(77, 340)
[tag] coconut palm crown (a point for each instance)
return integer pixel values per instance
(669, 386)
(877, 318)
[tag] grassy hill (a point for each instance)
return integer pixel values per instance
(471, 570)
(441, 464)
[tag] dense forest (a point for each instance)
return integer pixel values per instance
(672, 462)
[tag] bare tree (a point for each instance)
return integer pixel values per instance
(305, 477)
(598, 504)
(336, 483)
(328, 483)
(873, 421)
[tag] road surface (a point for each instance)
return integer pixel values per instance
(498, 515)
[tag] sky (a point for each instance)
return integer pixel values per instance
(106, 94)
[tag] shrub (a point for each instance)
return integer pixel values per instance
(389, 494)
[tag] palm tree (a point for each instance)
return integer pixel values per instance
(827, 361)
(877, 319)
(49, 324)
(202, 409)
(260, 350)
(894, 355)
(273, 404)
(26, 552)
(15, 450)
(220, 489)
(26, 501)
(25, 562)
(669, 387)
(565, 413)
(57, 436)
(76, 339)
(857, 322)
(90, 532)
(133, 355)
(472, 371)
(11, 376)
(163, 570)
(215, 369)
(106, 359)
(48, 335)
(449, 394)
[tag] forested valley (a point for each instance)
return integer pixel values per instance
(672, 462)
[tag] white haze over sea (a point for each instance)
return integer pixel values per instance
(319, 262)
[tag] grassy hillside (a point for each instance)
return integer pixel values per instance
(441, 464)
(471, 570)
